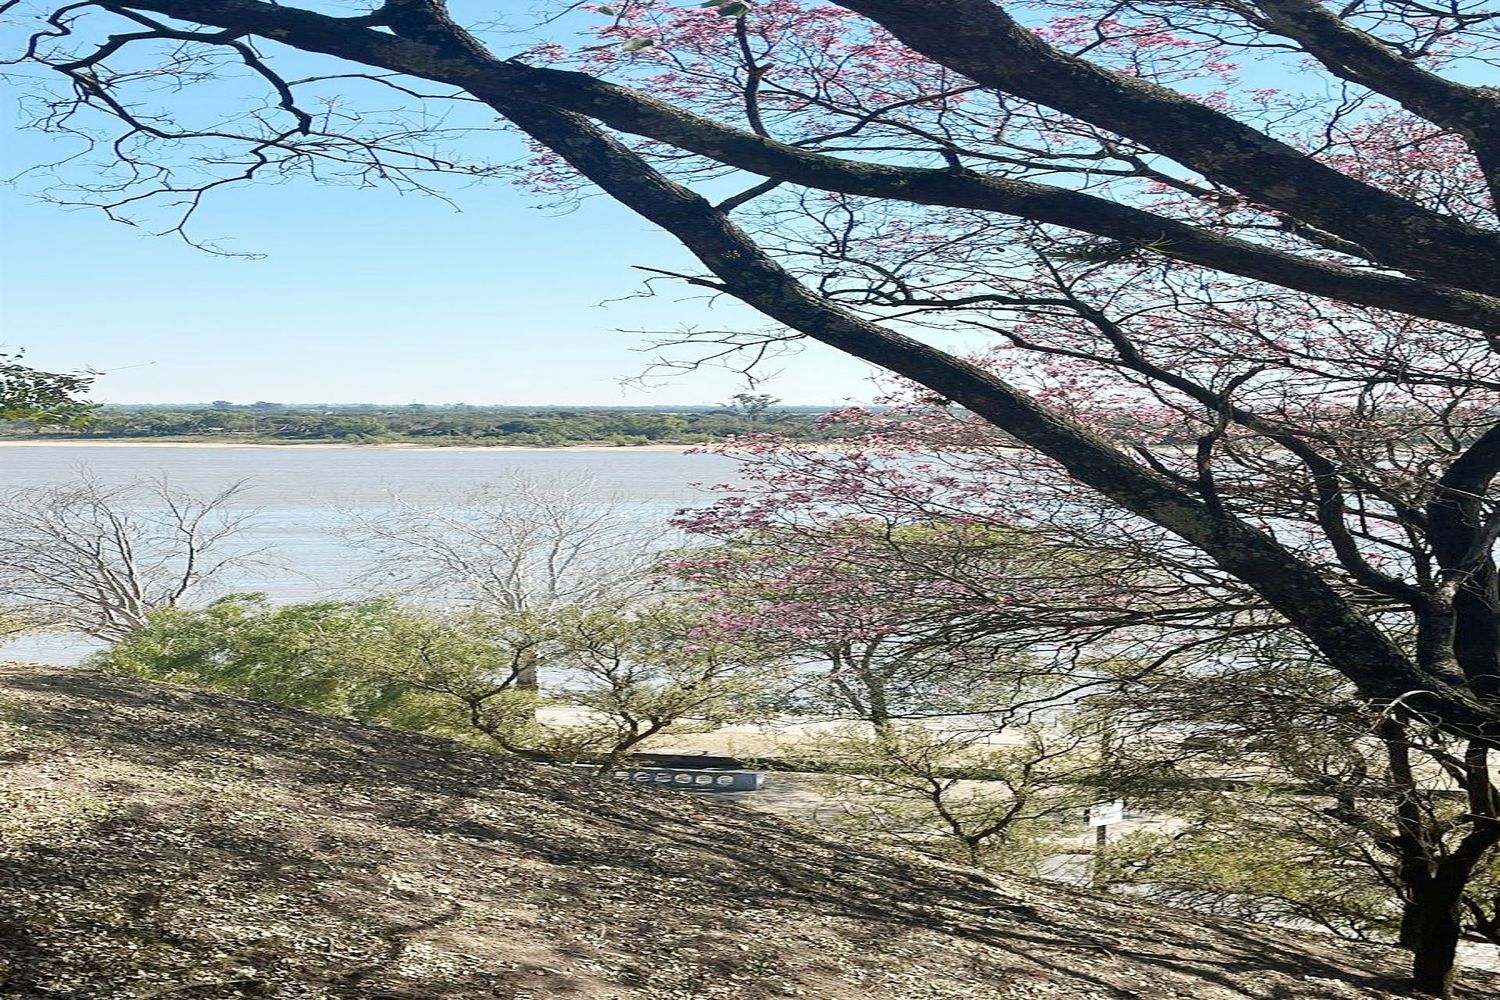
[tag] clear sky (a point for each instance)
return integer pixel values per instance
(363, 296)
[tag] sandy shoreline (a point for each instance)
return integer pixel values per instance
(326, 445)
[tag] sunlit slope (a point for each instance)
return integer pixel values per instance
(161, 842)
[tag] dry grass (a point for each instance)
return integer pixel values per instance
(163, 842)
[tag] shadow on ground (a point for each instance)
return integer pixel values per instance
(167, 842)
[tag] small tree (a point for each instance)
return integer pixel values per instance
(1237, 855)
(98, 559)
(753, 406)
(306, 655)
(523, 543)
(454, 675)
(996, 797)
(1295, 801)
(879, 607)
(468, 676)
(665, 670)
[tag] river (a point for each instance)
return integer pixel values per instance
(298, 493)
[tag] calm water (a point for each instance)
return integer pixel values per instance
(299, 491)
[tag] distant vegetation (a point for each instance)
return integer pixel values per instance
(454, 424)
(457, 424)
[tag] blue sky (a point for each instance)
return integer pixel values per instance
(363, 295)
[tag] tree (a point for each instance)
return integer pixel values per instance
(877, 608)
(1295, 801)
(1396, 814)
(751, 405)
(997, 796)
(453, 675)
(657, 671)
(922, 512)
(637, 674)
(98, 559)
(300, 654)
(468, 675)
(525, 544)
(1304, 282)
(40, 397)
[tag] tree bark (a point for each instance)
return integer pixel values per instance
(1431, 925)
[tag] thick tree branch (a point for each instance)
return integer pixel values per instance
(461, 61)
(1352, 55)
(1462, 539)
(979, 40)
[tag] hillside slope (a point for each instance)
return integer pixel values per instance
(162, 842)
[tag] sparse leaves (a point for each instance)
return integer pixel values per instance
(1000, 799)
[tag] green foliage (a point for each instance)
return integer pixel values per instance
(1291, 802)
(660, 670)
(1241, 855)
(41, 397)
(634, 675)
(12, 624)
(313, 656)
(439, 425)
(753, 406)
(456, 676)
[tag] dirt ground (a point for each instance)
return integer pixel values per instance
(162, 842)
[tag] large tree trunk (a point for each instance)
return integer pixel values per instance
(1431, 925)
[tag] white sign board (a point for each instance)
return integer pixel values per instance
(1106, 813)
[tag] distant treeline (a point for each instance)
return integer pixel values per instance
(451, 424)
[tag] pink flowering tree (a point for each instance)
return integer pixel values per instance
(928, 582)
(883, 615)
(928, 524)
(1238, 260)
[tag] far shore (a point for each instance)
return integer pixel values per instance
(330, 445)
